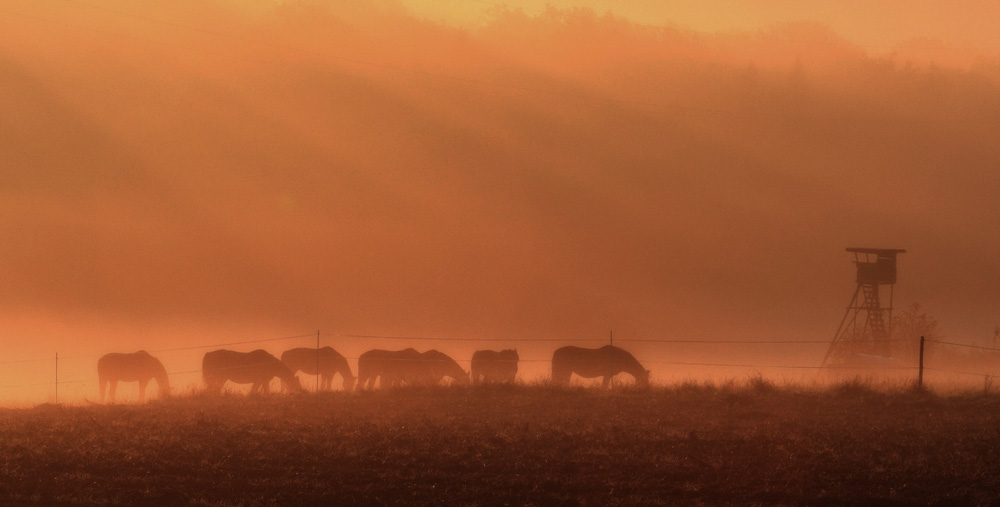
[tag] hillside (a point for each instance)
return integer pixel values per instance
(362, 169)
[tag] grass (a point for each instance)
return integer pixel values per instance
(737, 443)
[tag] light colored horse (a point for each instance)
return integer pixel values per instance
(257, 367)
(407, 366)
(606, 362)
(329, 361)
(135, 367)
(490, 366)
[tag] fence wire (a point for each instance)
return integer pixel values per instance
(966, 345)
(318, 335)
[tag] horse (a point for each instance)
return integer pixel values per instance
(257, 367)
(135, 367)
(329, 362)
(407, 366)
(441, 365)
(606, 361)
(392, 366)
(490, 366)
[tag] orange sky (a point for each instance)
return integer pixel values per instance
(205, 171)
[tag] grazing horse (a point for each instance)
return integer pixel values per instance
(135, 367)
(491, 366)
(407, 366)
(257, 368)
(441, 366)
(329, 362)
(392, 366)
(606, 361)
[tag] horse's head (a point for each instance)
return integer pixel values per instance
(349, 383)
(642, 380)
(508, 355)
(292, 384)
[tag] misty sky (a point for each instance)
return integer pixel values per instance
(200, 171)
(883, 26)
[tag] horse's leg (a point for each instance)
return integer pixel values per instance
(142, 389)
(103, 383)
(111, 390)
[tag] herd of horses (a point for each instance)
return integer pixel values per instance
(391, 368)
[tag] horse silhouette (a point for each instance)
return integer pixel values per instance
(490, 366)
(407, 366)
(441, 366)
(135, 367)
(606, 362)
(329, 361)
(392, 366)
(257, 367)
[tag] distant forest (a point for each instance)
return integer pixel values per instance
(543, 174)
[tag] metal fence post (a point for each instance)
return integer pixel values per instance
(920, 370)
(611, 374)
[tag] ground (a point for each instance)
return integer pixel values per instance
(747, 443)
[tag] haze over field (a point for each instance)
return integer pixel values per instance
(209, 171)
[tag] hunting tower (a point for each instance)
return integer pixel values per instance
(866, 324)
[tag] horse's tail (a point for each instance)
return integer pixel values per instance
(102, 381)
(102, 375)
(561, 372)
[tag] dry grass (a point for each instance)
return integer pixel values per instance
(739, 443)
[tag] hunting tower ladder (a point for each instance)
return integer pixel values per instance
(867, 324)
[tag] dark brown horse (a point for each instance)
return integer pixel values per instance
(329, 362)
(491, 366)
(135, 367)
(606, 362)
(257, 367)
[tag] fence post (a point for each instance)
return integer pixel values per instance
(317, 360)
(611, 374)
(920, 369)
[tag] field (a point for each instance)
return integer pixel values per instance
(742, 443)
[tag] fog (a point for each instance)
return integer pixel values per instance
(216, 171)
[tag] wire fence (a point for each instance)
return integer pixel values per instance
(56, 382)
(967, 346)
